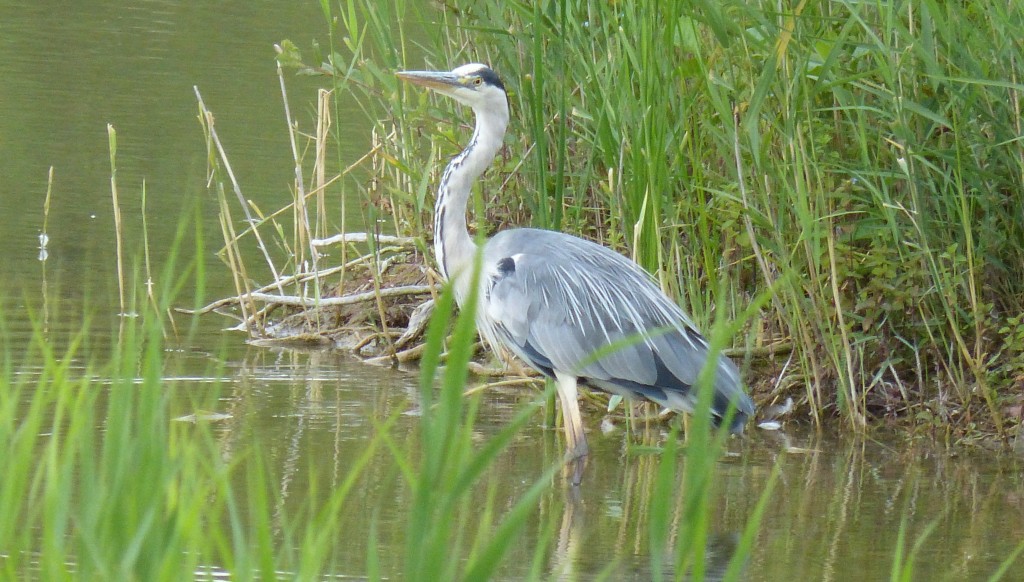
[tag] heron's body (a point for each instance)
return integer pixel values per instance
(554, 299)
(570, 308)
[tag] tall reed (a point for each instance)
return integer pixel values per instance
(377, 30)
(854, 163)
(860, 159)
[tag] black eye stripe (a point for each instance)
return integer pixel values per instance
(491, 78)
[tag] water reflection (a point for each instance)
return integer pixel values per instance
(844, 501)
(628, 562)
(310, 415)
(836, 514)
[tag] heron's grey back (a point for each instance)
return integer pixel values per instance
(564, 303)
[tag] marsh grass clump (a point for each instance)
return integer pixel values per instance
(860, 162)
(112, 473)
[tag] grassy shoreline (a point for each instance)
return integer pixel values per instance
(860, 162)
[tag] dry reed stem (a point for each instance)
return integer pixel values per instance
(207, 119)
(368, 155)
(46, 203)
(237, 269)
(44, 240)
(119, 234)
(302, 228)
(323, 126)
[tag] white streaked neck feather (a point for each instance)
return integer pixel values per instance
(453, 246)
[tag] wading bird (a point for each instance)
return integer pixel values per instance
(572, 309)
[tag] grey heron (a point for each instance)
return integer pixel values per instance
(570, 308)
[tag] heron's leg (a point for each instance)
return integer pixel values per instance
(576, 440)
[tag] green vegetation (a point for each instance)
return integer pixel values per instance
(105, 480)
(101, 483)
(861, 159)
(856, 163)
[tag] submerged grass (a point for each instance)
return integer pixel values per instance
(864, 159)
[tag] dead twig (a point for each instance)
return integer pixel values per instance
(361, 237)
(372, 337)
(410, 355)
(521, 381)
(297, 278)
(296, 301)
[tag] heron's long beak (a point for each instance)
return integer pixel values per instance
(444, 82)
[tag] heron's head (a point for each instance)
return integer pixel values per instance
(475, 85)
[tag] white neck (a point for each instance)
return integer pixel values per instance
(453, 247)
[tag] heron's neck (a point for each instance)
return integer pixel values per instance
(453, 247)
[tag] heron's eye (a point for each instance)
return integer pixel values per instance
(478, 81)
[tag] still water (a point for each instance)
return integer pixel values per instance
(70, 69)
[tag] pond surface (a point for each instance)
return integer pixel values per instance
(70, 70)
